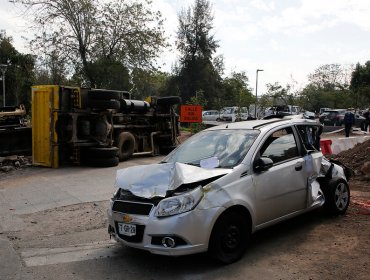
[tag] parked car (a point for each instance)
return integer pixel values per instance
(223, 184)
(322, 110)
(332, 117)
(282, 110)
(234, 114)
(211, 115)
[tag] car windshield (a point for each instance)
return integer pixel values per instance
(219, 148)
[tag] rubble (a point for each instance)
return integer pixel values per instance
(13, 162)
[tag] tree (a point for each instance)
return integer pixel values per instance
(280, 95)
(19, 73)
(197, 47)
(360, 84)
(237, 90)
(328, 87)
(88, 34)
(329, 77)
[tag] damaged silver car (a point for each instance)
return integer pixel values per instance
(222, 185)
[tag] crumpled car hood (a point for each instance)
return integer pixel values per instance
(154, 180)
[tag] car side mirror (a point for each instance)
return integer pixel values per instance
(262, 164)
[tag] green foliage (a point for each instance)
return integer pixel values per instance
(18, 76)
(360, 85)
(196, 45)
(87, 34)
(237, 91)
(150, 83)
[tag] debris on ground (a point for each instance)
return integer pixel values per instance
(10, 163)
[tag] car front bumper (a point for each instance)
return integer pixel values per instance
(190, 231)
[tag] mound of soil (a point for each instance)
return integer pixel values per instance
(356, 159)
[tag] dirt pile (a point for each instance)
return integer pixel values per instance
(357, 159)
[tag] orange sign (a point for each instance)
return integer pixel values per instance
(191, 113)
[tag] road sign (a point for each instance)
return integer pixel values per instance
(191, 113)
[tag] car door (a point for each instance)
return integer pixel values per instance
(281, 189)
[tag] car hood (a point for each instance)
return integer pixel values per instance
(155, 180)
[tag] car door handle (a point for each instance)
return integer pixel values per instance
(298, 166)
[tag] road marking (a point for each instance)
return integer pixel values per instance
(80, 252)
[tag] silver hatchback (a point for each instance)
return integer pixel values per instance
(222, 185)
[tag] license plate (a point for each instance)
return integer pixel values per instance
(127, 229)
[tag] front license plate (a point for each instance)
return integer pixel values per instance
(127, 229)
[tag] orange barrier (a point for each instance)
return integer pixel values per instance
(325, 146)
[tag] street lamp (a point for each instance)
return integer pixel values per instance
(255, 106)
(3, 70)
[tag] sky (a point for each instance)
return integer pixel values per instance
(288, 39)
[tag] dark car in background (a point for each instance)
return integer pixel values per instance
(332, 117)
(336, 117)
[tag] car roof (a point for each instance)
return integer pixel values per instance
(263, 124)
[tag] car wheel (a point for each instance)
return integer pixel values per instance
(337, 196)
(218, 119)
(126, 145)
(229, 238)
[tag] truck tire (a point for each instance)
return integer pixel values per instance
(126, 145)
(103, 104)
(95, 152)
(169, 100)
(103, 162)
(103, 95)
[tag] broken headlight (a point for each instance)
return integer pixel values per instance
(179, 204)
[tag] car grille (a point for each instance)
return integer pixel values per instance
(136, 238)
(132, 207)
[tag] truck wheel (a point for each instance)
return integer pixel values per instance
(126, 145)
(337, 196)
(103, 162)
(103, 104)
(95, 152)
(103, 95)
(229, 238)
(169, 100)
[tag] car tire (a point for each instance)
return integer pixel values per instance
(337, 196)
(103, 104)
(126, 145)
(103, 95)
(229, 238)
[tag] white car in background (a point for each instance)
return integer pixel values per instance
(234, 114)
(211, 115)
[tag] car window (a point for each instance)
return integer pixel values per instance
(310, 136)
(280, 146)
